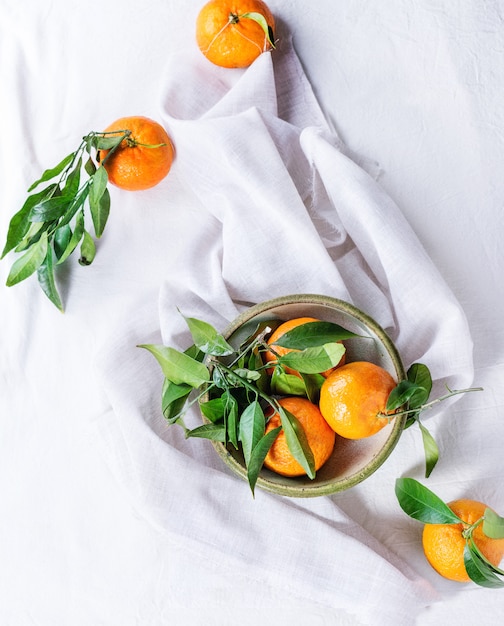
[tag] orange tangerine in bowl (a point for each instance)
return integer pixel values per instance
(353, 399)
(271, 355)
(350, 461)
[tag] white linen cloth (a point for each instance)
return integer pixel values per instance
(283, 210)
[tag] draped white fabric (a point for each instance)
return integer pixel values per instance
(294, 214)
(111, 515)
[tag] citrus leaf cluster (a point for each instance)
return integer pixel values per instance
(51, 224)
(413, 394)
(235, 393)
(422, 504)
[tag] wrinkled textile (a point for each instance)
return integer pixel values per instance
(283, 210)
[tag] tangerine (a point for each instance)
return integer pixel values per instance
(271, 357)
(142, 159)
(443, 544)
(320, 437)
(228, 33)
(353, 399)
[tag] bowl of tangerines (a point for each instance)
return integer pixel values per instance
(294, 394)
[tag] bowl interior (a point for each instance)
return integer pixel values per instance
(351, 461)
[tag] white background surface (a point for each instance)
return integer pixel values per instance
(414, 87)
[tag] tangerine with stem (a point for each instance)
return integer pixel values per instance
(320, 438)
(271, 356)
(143, 158)
(353, 399)
(444, 544)
(234, 33)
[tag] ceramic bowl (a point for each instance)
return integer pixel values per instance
(351, 461)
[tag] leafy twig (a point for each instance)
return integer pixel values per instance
(51, 223)
(238, 397)
(234, 379)
(413, 393)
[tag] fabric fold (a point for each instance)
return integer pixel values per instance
(307, 548)
(291, 213)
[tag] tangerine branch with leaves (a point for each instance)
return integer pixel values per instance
(226, 381)
(52, 224)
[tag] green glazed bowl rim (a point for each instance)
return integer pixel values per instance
(327, 488)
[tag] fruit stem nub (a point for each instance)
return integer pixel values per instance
(234, 18)
(133, 142)
(467, 532)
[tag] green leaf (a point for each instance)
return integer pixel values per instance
(283, 384)
(100, 220)
(226, 378)
(312, 335)
(174, 396)
(51, 173)
(474, 547)
(215, 432)
(90, 167)
(313, 383)
(62, 237)
(410, 420)
(88, 249)
(177, 366)
(219, 378)
(73, 180)
(258, 455)
(493, 525)
(430, 448)
(31, 260)
(107, 143)
(76, 204)
(420, 375)
(422, 504)
(256, 364)
(50, 209)
(246, 374)
(173, 399)
(414, 392)
(401, 394)
(313, 360)
(195, 353)
(32, 236)
(99, 200)
(479, 569)
(231, 418)
(20, 222)
(297, 441)
(213, 409)
(261, 20)
(477, 552)
(45, 275)
(99, 181)
(74, 239)
(251, 428)
(207, 339)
